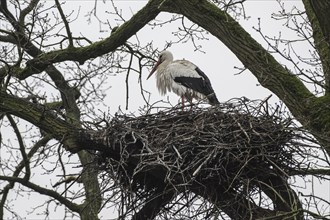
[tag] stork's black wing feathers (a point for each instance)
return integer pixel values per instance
(193, 83)
(201, 84)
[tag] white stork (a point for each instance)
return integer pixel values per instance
(183, 78)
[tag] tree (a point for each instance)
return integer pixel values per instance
(40, 52)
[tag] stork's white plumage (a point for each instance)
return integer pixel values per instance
(183, 78)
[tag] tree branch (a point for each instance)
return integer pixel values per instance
(318, 15)
(89, 177)
(10, 17)
(315, 172)
(68, 94)
(18, 169)
(81, 54)
(41, 117)
(66, 23)
(25, 160)
(7, 38)
(73, 138)
(72, 206)
(321, 10)
(283, 197)
(26, 11)
(235, 205)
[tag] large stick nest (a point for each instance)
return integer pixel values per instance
(226, 145)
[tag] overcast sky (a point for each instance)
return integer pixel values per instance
(217, 62)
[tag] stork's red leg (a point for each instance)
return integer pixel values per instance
(182, 98)
(191, 104)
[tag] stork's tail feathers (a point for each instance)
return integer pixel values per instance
(213, 100)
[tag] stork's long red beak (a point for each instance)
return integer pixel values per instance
(154, 69)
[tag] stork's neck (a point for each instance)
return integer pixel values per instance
(161, 68)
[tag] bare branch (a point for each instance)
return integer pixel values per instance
(26, 11)
(44, 191)
(117, 38)
(39, 116)
(17, 171)
(21, 144)
(66, 23)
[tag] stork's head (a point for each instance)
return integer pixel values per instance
(163, 56)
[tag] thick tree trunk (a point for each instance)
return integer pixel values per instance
(318, 15)
(92, 204)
